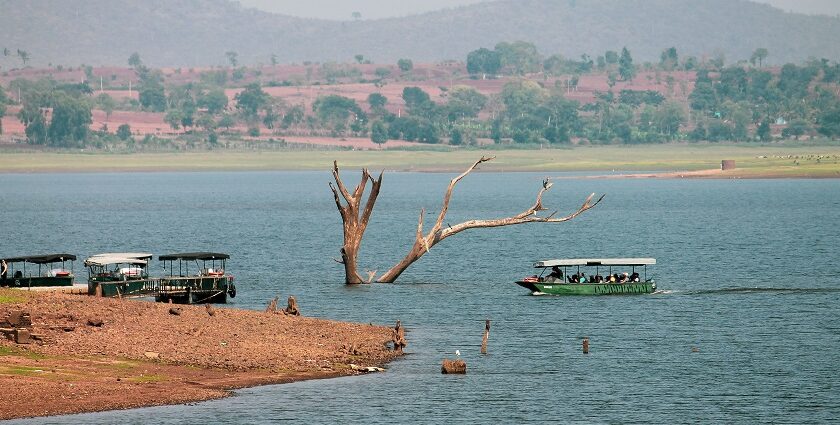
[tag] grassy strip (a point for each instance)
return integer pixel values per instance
(775, 160)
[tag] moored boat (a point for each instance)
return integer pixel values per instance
(559, 282)
(51, 270)
(119, 274)
(204, 282)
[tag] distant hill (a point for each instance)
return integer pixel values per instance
(199, 32)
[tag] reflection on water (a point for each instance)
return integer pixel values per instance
(743, 328)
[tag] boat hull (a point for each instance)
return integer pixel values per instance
(589, 288)
(196, 290)
(122, 288)
(32, 281)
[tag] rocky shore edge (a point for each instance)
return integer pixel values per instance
(68, 354)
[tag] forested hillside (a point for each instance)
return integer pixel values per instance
(200, 32)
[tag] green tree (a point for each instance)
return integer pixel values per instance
(293, 115)
(405, 65)
(134, 61)
(670, 117)
(232, 58)
(668, 59)
(206, 122)
(382, 72)
(106, 103)
(227, 121)
(71, 118)
(336, 112)
(759, 55)
(124, 132)
(251, 100)
(174, 117)
(214, 100)
(36, 130)
(379, 133)
(611, 57)
(4, 100)
(484, 61)
(829, 120)
(23, 55)
(377, 102)
(763, 131)
(465, 102)
(152, 94)
(520, 57)
(625, 65)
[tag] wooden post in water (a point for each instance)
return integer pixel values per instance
(399, 337)
(486, 336)
(586, 345)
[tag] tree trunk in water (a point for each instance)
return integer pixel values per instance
(354, 218)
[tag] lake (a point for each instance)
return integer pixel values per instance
(744, 327)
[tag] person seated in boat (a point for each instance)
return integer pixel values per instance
(623, 278)
(573, 278)
(582, 278)
(555, 275)
(598, 278)
(634, 277)
(614, 278)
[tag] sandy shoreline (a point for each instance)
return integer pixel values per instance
(142, 355)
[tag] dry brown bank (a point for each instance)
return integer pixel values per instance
(142, 355)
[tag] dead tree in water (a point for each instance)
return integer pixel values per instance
(356, 219)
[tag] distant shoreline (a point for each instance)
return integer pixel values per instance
(671, 161)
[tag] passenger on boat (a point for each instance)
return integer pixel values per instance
(582, 278)
(573, 278)
(623, 278)
(598, 278)
(634, 277)
(555, 275)
(614, 278)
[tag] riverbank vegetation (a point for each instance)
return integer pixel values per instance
(510, 95)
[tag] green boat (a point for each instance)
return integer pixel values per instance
(51, 270)
(204, 282)
(621, 278)
(119, 274)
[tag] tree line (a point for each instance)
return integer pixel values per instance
(739, 102)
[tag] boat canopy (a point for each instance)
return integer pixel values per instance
(595, 262)
(137, 255)
(203, 256)
(104, 260)
(42, 259)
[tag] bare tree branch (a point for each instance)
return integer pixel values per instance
(436, 234)
(355, 223)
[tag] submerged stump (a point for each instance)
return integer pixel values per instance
(292, 309)
(458, 367)
(399, 337)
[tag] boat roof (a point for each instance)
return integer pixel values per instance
(195, 256)
(137, 255)
(596, 262)
(41, 259)
(103, 260)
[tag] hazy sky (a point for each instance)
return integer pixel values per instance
(372, 9)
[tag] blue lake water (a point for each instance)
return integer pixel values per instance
(745, 328)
